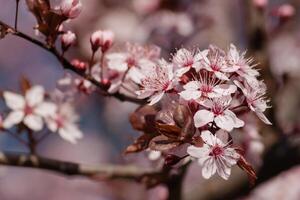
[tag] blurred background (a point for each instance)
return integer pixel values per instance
(268, 30)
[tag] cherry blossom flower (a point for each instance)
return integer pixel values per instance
(185, 60)
(244, 67)
(68, 39)
(157, 82)
(102, 39)
(63, 121)
(218, 112)
(29, 109)
(255, 97)
(135, 60)
(215, 155)
(71, 8)
(207, 86)
(214, 60)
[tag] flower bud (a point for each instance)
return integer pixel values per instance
(71, 8)
(79, 65)
(285, 11)
(68, 39)
(103, 39)
(260, 4)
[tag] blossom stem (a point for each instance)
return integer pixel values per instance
(102, 65)
(16, 14)
(31, 142)
(91, 62)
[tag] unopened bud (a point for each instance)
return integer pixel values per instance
(285, 11)
(102, 39)
(68, 39)
(79, 65)
(71, 8)
(260, 4)
(106, 83)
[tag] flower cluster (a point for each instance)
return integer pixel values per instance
(33, 110)
(208, 90)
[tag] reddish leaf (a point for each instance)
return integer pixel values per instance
(143, 119)
(163, 143)
(197, 141)
(171, 131)
(140, 144)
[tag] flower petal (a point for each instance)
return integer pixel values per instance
(35, 95)
(46, 109)
(34, 122)
(198, 152)
(13, 118)
(156, 98)
(209, 168)
(14, 101)
(70, 132)
(203, 117)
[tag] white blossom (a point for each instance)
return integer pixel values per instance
(217, 111)
(215, 156)
(29, 109)
(157, 82)
(63, 121)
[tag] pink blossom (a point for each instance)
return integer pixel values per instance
(71, 8)
(185, 60)
(68, 39)
(255, 97)
(206, 86)
(215, 155)
(214, 60)
(102, 39)
(218, 112)
(134, 61)
(158, 81)
(243, 66)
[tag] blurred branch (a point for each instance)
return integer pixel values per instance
(70, 168)
(67, 65)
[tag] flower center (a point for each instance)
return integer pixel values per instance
(215, 67)
(59, 121)
(28, 110)
(216, 151)
(188, 63)
(217, 110)
(130, 62)
(206, 89)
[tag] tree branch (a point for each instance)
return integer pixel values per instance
(67, 65)
(69, 168)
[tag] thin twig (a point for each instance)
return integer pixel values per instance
(67, 65)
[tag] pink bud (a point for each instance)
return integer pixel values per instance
(79, 65)
(261, 4)
(285, 11)
(71, 8)
(68, 39)
(103, 39)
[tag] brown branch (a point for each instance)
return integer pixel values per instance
(69, 168)
(67, 65)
